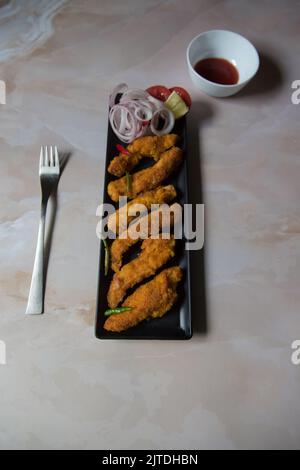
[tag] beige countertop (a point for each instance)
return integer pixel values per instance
(233, 385)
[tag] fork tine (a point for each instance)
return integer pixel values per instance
(46, 156)
(51, 156)
(56, 157)
(41, 157)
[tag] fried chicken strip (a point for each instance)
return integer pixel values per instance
(153, 299)
(143, 227)
(154, 254)
(152, 145)
(149, 178)
(122, 163)
(118, 222)
(148, 146)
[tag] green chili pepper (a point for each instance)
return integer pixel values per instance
(128, 182)
(114, 311)
(106, 260)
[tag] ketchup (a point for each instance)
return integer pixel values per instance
(217, 70)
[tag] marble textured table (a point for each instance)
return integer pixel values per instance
(233, 385)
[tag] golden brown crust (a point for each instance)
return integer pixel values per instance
(143, 226)
(148, 146)
(152, 145)
(153, 299)
(149, 178)
(154, 254)
(119, 221)
(122, 163)
(118, 249)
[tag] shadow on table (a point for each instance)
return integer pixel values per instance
(269, 78)
(64, 157)
(200, 112)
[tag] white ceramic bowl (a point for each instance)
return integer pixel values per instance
(227, 45)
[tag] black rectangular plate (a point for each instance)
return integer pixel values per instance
(177, 323)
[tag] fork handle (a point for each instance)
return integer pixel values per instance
(35, 303)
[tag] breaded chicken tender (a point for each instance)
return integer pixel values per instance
(153, 299)
(143, 226)
(148, 146)
(149, 178)
(154, 254)
(152, 145)
(118, 221)
(122, 163)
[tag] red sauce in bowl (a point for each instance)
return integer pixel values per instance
(217, 70)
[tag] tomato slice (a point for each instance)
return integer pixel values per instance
(184, 95)
(159, 92)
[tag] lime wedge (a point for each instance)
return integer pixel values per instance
(176, 104)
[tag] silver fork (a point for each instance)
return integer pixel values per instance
(49, 176)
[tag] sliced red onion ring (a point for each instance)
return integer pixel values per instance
(155, 103)
(167, 116)
(143, 114)
(134, 94)
(123, 123)
(121, 88)
(137, 114)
